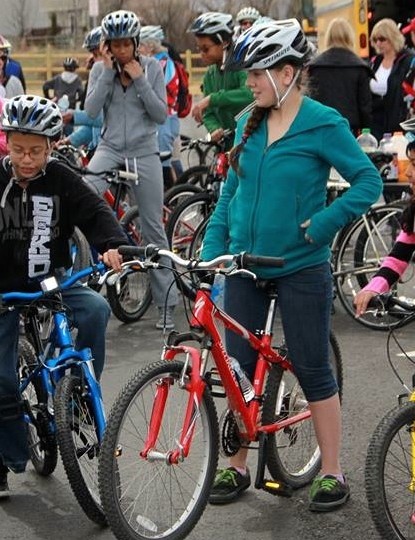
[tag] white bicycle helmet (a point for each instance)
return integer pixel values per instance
(248, 13)
(5, 45)
(32, 114)
(120, 25)
(93, 39)
(212, 23)
(151, 32)
(265, 45)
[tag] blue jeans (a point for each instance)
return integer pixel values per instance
(167, 133)
(89, 312)
(304, 300)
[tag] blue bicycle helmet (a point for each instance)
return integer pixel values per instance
(32, 114)
(93, 39)
(213, 23)
(151, 32)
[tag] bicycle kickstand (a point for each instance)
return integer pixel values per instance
(275, 487)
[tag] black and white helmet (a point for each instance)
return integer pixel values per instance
(248, 13)
(265, 45)
(120, 25)
(93, 39)
(151, 32)
(70, 63)
(212, 23)
(32, 114)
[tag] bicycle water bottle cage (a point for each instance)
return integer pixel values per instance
(11, 408)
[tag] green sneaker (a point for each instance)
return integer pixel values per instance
(327, 493)
(228, 485)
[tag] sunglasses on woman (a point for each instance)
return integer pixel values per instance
(379, 38)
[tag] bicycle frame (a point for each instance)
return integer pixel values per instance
(59, 353)
(205, 314)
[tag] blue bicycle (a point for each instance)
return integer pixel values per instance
(62, 398)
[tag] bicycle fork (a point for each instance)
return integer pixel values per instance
(195, 387)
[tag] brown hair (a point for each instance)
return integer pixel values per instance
(253, 122)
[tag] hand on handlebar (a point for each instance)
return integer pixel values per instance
(362, 300)
(113, 259)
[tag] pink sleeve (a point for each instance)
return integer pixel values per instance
(3, 144)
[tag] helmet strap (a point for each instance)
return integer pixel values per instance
(280, 99)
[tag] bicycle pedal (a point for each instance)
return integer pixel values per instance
(275, 487)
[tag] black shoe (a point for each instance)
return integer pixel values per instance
(228, 485)
(4, 486)
(327, 493)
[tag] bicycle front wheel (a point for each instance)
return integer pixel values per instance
(43, 448)
(151, 498)
(293, 454)
(389, 474)
(130, 296)
(78, 444)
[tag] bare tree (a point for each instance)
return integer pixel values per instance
(22, 17)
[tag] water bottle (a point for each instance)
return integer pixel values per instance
(63, 103)
(367, 141)
(218, 290)
(400, 143)
(243, 381)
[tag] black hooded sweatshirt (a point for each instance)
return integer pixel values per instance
(340, 79)
(36, 224)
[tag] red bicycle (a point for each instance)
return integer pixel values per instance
(161, 445)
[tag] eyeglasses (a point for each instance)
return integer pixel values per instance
(33, 153)
(206, 48)
(379, 38)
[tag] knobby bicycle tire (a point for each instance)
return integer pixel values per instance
(188, 283)
(43, 449)
(130, 297)
(196, 175)
(129, 482)
(181, 229)
(79, 445)
(80, 251)
(359, 256)
(175, 195)
(293, 455)
(388, 474)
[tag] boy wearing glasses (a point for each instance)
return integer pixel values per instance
(226, 93)
(41, 201)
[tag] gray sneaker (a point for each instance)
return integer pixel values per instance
(165, 321)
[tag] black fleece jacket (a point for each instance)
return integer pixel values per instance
(340, 79)
(37, 222)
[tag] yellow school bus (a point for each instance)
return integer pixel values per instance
(355, 11)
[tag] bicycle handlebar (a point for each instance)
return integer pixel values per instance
(387, 301)
(241, 260)
(9, 297)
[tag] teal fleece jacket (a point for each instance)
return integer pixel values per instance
(282, 185)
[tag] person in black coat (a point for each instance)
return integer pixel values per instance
(390, 65)
(340, 79)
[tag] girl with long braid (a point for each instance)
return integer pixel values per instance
(273, 203)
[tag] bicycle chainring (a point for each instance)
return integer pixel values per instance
(230, 441)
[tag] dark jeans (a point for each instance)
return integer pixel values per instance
(89, 312)
(304, 300)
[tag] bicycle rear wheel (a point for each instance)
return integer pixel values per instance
(196, 175)
(150, 498)
(43, 448)
(130, 297)
(293, 454)
(363, 248)
(79, 444)
(389, 474)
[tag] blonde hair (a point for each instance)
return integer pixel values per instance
(389, 29)
(340, 34)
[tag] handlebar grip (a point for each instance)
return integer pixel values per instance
(245, 259)
(138, 251)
